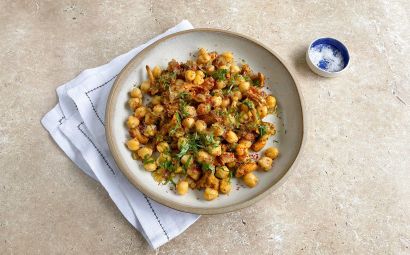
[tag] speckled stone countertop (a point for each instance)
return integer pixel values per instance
(349, 195)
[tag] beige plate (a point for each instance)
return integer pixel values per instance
(179, 46)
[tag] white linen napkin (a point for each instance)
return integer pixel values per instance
(76, 124)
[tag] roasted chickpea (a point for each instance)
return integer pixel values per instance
(270, 101)
(203, 157)
(200, 126)
(244, 86)
(151, 165)
(133, 122)
(210, 194)
(189, 75)
(263, 111)
(179, 82)
(210, 68)
(182, 187)
(218, 129)
(188, 122)
(245, 168)
(250, 180)
(140, 112)
(246, 143)
(222, 172)
(187, 159)
(150, 130)
(203, 109)
(163, 158)
(220, 84)
(265, 163)
(225, 102)
(228, 56)
(133, 144)
(156, 71)
(199, 73)
(215, 150)
(241, 149)
(272, 152)
(231, 137)
(236, 95)
(182, 141)
(225, 186)
(136, 92)
(204, 58)
(258, 145)
(158, 109)
(179, 170)
(163, 147)
(235, 69)
(198, 80)
(216, 101)
(191, 111)
(145, 86)
(134, 102)
(144, 152)
(156, 100)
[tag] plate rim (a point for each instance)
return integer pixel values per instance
(184, 208)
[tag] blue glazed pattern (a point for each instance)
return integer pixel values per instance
(336, 47)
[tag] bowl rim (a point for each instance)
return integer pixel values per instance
(322, 70)
(184, 208)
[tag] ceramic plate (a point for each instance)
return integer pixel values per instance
(181, 46)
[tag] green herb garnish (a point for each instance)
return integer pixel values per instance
(263, 130)
(248, 103)
(208, 167)
(220, 74)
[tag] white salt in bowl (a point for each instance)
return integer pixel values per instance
(327, 57)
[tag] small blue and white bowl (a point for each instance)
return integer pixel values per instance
(327, 57)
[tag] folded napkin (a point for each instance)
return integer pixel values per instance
(76, 124)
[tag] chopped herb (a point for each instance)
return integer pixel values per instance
(208, 167)
(184, 149)
(262, 130)
(166, 79)
(248, 103)
(256, 83)
(147, 160)
(185, 166)
(220, 74)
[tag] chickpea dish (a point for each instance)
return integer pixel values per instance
(203, 121)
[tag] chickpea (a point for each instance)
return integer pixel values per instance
(216, 101)
(179, 82)
(163, 147)
(203, 58)
(222, 172)
(236, 95)
(244, 86)
(149, 118)
(265, 163)
(189, 75)
(250, 180)
(145, 86)
(231, 137)
(137, 134)
(246, 143)
(156, 71)
(144, 152)
(245, 168)
(225, 186)
(203, 109)
(188, 122)
(203, 157)
(158, 109)
(136, 92)
(200, 126)
(210, 68)
(133, 122)
(163, 158)
(239, 79)
(228, 56)
(258, 145)
(179, 170)
(202, 51)
(225, 102)
(215, 150)
(210, 194)
(194, 173)
(182, 187)
(140, 112)
(150, 167)
(134, 102)
(241, 149)
(156, 100)
(272, 152)
(263, 111)
(235, 69)
(220, 84)
(191, 111)
(187, 159)
(271, 101)
(218, 129)
(133, 144)
(150, 130)
(199, 73)
(198, 80)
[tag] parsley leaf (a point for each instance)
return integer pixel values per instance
(220, 74)
(263, 130)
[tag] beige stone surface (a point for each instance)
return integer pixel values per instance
(349, 195)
